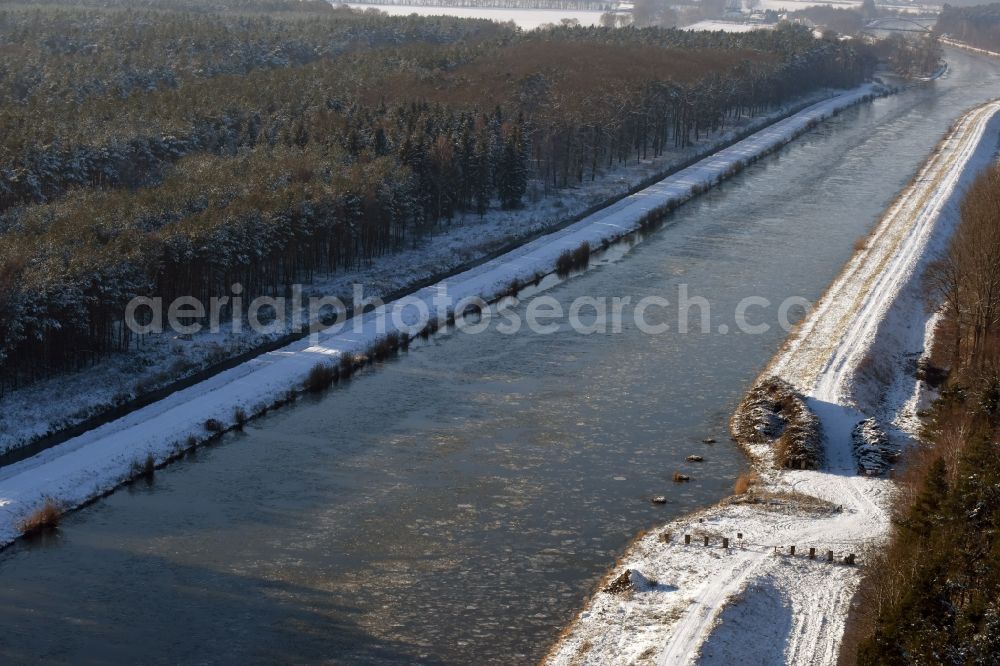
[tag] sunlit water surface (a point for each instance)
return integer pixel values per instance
(458, 504)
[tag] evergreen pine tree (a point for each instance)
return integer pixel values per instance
(512, 172)
(924, 514)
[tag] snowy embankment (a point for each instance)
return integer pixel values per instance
(852, 358)
(91, 464)
(163, 363)
(967, 47)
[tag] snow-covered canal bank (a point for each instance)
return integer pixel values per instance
(458, 505)
(89, 465)
(758, 601)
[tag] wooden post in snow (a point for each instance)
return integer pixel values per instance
(706, 540)
(687, 539)
(791, 550)
(725, 542)
(829, 556)
(812, 553)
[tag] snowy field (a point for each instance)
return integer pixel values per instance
(792, 5)
(756, 602)
(97, 461)
(727, 26)
(529, 19)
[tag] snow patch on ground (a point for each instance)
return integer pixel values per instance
(728, 26)
(528, 19)
(763, 612)
(853, 358)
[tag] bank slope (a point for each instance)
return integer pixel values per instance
(757, 602)
(90, 465)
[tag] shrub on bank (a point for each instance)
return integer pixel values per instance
(571, 260)
(240, 417)
(744, 482)
(320, 377)
(774, 414)
(44, 518)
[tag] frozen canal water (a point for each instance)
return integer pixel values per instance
(458, 504)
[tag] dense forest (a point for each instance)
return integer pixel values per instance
(978, 25)
(911, 57)
(933, 597)
(172, 153)
(246, 7)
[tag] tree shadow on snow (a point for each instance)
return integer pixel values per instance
(761, 612)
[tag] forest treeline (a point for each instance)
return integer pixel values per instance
(363, 133)
(933, 595)
(244, 7)
(911, 57)
(978, 25)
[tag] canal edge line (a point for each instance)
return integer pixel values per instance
(103, 459)
(869, 503)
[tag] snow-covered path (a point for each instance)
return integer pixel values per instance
(756, 602)
(689, 633)
(822, 358)
(97, 461)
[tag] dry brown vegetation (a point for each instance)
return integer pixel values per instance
(571, 260)
(44, 518)
(774, 413)
(320, 377)
(240, 417)
(800, 444)
(967, 279)
(745, 481)
(143, 469)
(789, 502)
(385, 347)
